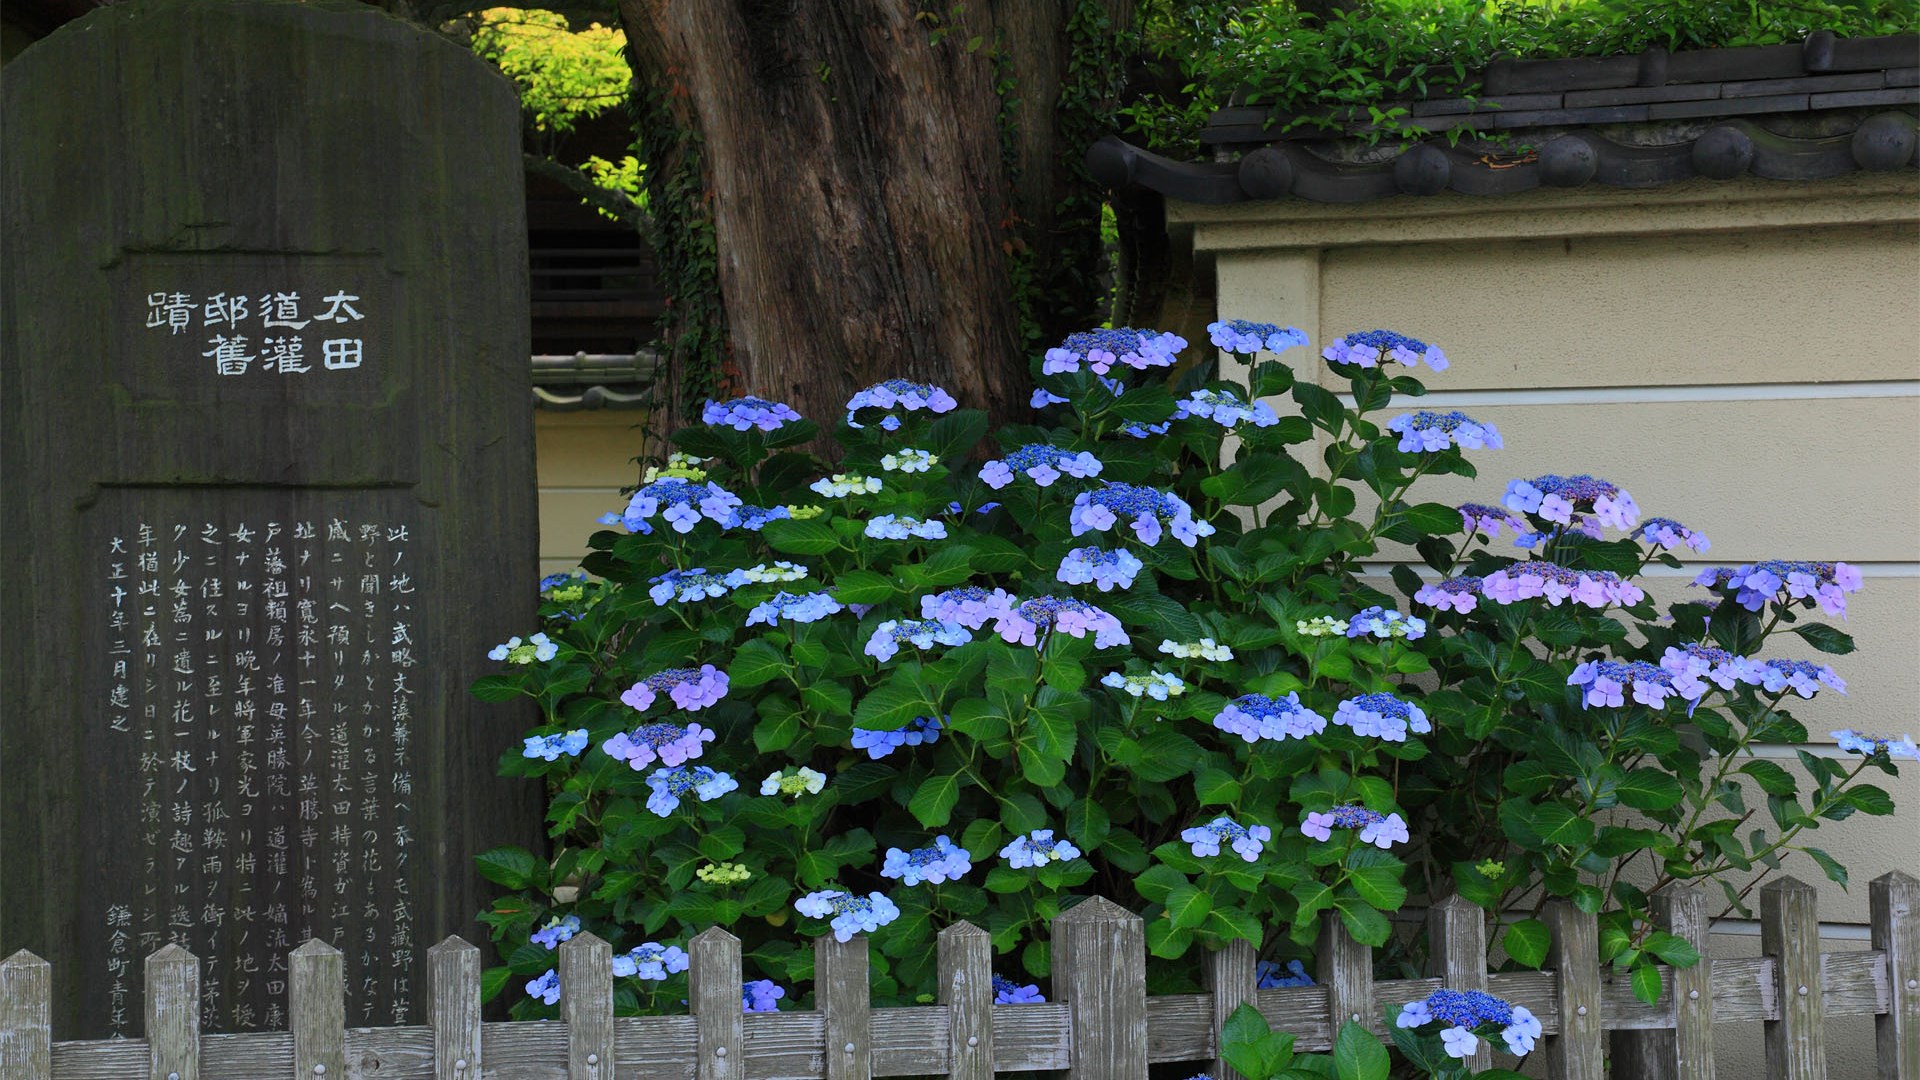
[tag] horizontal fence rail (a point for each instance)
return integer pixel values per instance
(1104, 1027)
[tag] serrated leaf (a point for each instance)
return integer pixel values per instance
(510, 866)
(756, 663)
(1646, 983)
(1188, 906)
(1358, 1054)
(810, 537)
(1648, 789)
(1526, 942)
(1772, 779)
(862, 587)
(932, 803)
(1825, 638)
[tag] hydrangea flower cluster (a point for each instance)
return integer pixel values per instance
(1225, 408)
(755, 518)
(1670, 535)
(1104, 569)
(800, 781)
(1803, 677)
(1372, 348)
(1382, 716)
(1247, 841)
(899, 394)
(919, 633)
(1461, 594)
(1142, 431)
(1381, 830)
(1556, 498)
(1246, 337)
(726, 873)
(1700, 660)
(670, 785)
(878, 744)
(1488, 520)
(803, 608)
(1204, 649)
(563, 588)
(1269, 975)
(681, 503)
(766, 574)
(691, 689)
(1040, 463)
(515, 651)
(1385, 623)
(1008, 992)
(943, 862)
(1756, 585)
(908, 461)
(744, 413)
(1099, 350)
(1321, 626)
(1037, 848)
(851, 914)
(971, 606)
(686, 586)
(841, 485)
(554, 747)
(1591, 588)
(1148, 509)
(1022, 624)
(1254, 717)
(760, 995)
(901, 526)
(1858, 743)
(1427, 432)
(679, 465)
(546, 988)
(557, 930)
(1608, 681)
(1157, 685)
(651, 961)
(1465, 1014)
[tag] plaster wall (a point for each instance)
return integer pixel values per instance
(584, 458)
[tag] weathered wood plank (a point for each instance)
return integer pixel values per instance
(1100, 969)
(910, 1041)
(586, 1001)
(26, 1017)
(1457, 936)
(173, 1015)
(1894, 903)
(317, 1008)
(1577, 1051)
(1685, 1052)
(1345, 968)
(966, 989)
(1790, 934)
(1230, 977)
(840, 993)
(453, 966)
(713, 995)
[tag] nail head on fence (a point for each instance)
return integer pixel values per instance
(1581, 1011)
(460, 1065)
(593, 1059)
(720, 1052)
(848, 1048)
(973, 1040)
(1695, 994)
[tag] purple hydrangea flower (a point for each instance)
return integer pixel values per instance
(1461, 594)
(1037, 848)
(1247, 337)
(1143, 431)
(1040, 463)
(1608, 682)
(1803, 677)
(1022, 624)
(1557, 498)
(900, 527)
(1427, 432)
(1592, 588)
(554, 747)
(682, 503)
(851, 914)
(1381, 830)
(804, 608)
(1246, 841)
(671, 785)
(546, 988)
(651, 961)
(686, 586)
(1858, 743)
(940, 863)
(878, 744)
(760, 995)
(557, 930)
(1225, 408)
(1008, 992)
(755, 518)
(1372, 348)
(1385, 623)
(1254, 717)
(743, 413)
(901, 394)
(1044, 398)
(1104, 569)
(1488, 520)
(1670, 535)
(970, 606)
(920, 633)
(1269, 975)
(691, 688)
(1382, 716)
(1099, 350)
(1147, 509)
(1756, 585)
(1699, 660)
(669, 744)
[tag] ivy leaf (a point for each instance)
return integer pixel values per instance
(1526, 942)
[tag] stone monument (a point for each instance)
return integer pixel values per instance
(268, 499)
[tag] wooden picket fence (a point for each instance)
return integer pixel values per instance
(1102, 1027)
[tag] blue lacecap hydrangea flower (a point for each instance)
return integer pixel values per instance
(755, 518)
(1037, 848)
(1146, 509)
(651, 961)
(1372, 348)
(761, 995)
(1247, 337)
(804, 608)
(1427, 432)
(1254, 717)
(670, 785)
(1104, 569)
(901, 526)
(546, 988)
(1269, 975)
(1099, 350)
(887, 637)
(1855, 742)
(1246, 841)
(1385, 623)
(681, 503)
(1380, 830)
(1557, 498)
(899, 394)
(1040, 463)
(557, 931)
(686, 586)
(1008, 992)
(878, 744)
(943, 862)
(554, 747)
(1225, 408)
(1382, 716)
(743, 413)
(851, 913)
(1465, 1014)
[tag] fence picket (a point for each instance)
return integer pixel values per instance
(317, 1008)
(840, 992)
(1457, 938)
(26, 1017)
(586, 1002)
(1894, 900)
(173, 1015)
(1790, 933)
(1345, 968)
(1686, 1051)
(454, 968)
(1578, 1051)
(1100, 968)
(1231, 978)
(966, 989)
(713, 996)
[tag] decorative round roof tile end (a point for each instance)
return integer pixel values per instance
(1423, 170)
(1884, 142)
(1723, 152)
(1266, 173)
(1110, 161)
(1568, 161)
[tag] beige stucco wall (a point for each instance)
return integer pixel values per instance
(1744, 357)
(584, 459)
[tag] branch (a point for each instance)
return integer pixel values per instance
(617, 203)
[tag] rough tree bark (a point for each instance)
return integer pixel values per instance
(871, 209)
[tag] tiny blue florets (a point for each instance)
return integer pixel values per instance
(1248, 337)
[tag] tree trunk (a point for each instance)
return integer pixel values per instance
(880, 196)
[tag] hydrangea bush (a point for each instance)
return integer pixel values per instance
(1141, 646)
